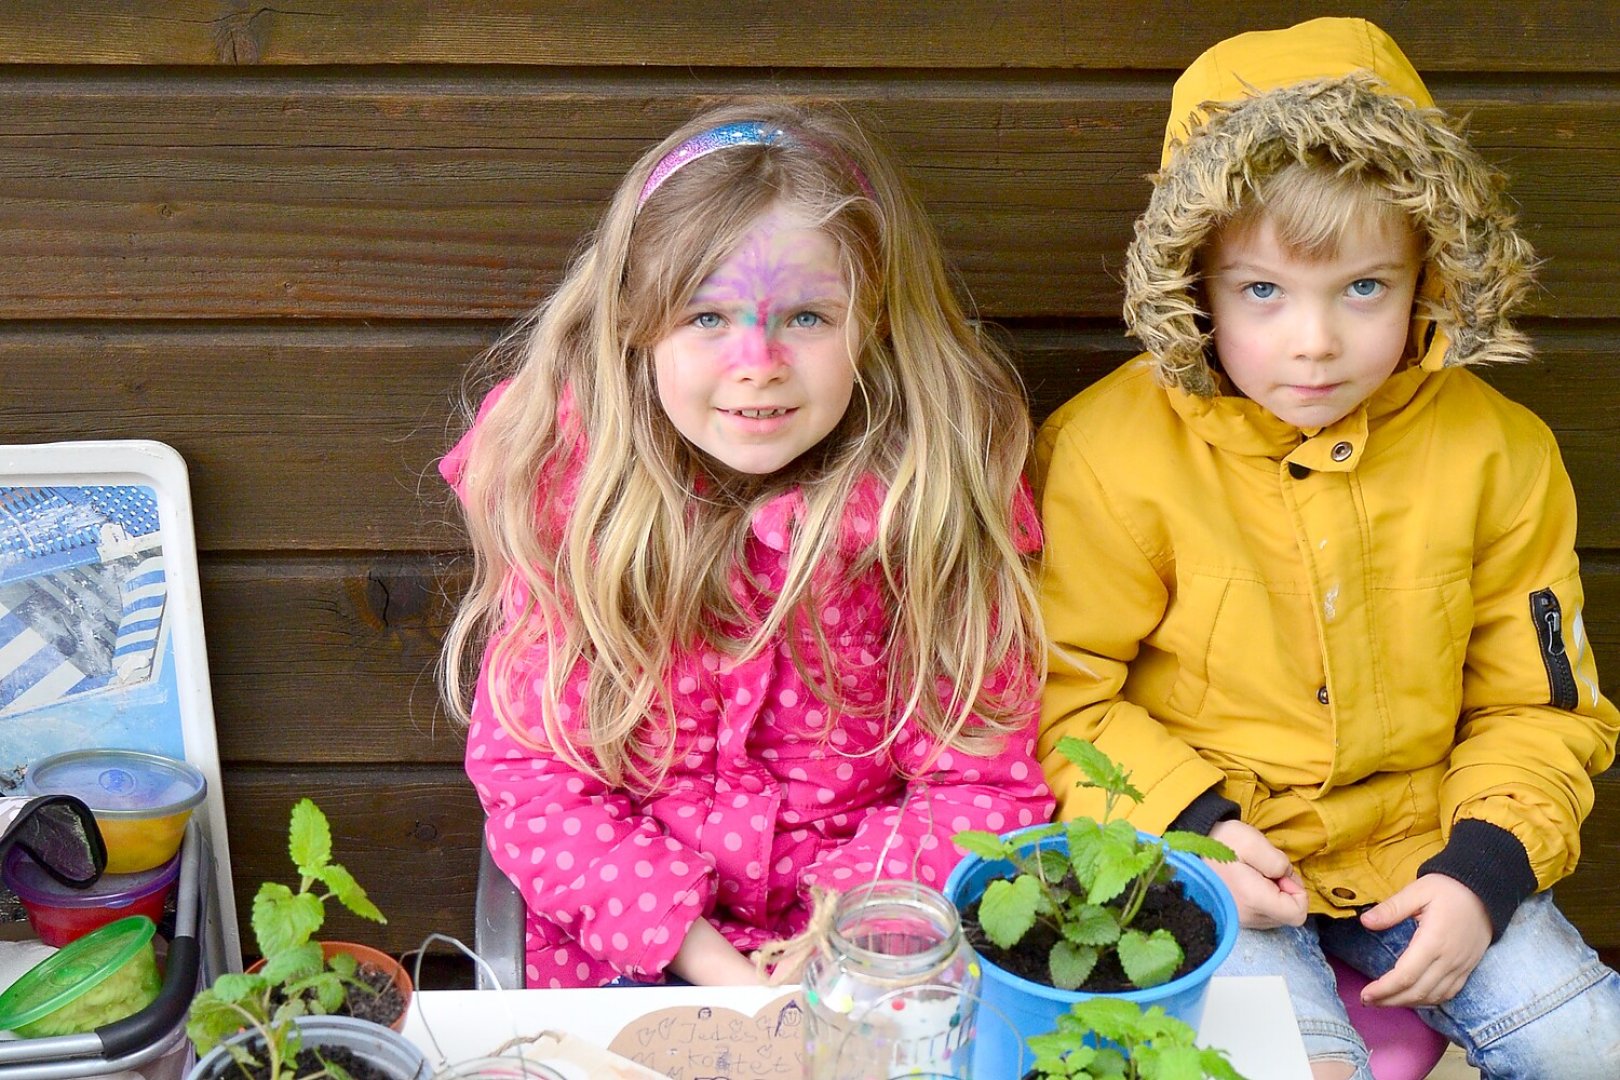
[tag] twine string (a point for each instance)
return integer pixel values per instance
(779, 962)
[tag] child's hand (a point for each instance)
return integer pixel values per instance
(1454, 930)
(1264, 883)
(706, 958)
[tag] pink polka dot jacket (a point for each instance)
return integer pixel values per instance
(766, 798)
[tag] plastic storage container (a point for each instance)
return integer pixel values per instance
(141, 801)
(102, 977)
(60, 914)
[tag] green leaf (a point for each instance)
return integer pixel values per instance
(309, 838)
(1091, 924)
(1110, 1017)
(1110, 1064)
(1160, 1026)
(1085, 844)
(1169, 1063)
(1198, 844)
(349, 893)
(1149, 959)
(1216, 1065)
(1007, 910)
(329, 991)
(235, 989)
(293, 964)
(344, 964)
(1061, 1055)
(212, 1020)
(1071, 964)
(283, 918)
(1053, 865)
(1100, 769)
(986, 845)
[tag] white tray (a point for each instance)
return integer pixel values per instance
(101, 631)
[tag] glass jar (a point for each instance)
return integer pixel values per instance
(893, 989)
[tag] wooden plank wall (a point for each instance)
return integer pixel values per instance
(275, 238)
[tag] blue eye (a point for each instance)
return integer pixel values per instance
(806, 320)
(1366, 287)
(1261, 290)
(708, 320)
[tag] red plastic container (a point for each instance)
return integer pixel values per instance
(60, 914)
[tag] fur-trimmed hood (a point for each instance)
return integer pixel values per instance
(1342, 88)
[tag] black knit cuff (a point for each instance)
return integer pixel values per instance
(1492, 862)
(1206, 811)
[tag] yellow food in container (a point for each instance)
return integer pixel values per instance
(141, 801)
(102, 977)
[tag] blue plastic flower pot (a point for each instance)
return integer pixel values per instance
(1018, 1008)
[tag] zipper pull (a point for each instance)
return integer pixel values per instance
(1555, 631)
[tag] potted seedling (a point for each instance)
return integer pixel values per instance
(277, 1020)
(1135, 1044)
(1062, 912)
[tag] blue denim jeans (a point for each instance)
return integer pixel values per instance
(1540, 1003)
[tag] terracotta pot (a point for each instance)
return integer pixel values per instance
(366, 956)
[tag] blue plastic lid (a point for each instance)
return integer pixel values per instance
(120, 783)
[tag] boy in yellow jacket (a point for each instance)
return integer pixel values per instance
(1314, 582)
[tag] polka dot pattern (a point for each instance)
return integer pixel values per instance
(771, 791)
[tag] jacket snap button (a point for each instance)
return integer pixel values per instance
(1343, 893)
(1298, 471)
(1322, 695)
(1342, 450)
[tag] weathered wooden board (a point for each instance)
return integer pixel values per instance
(410, 837)
(369, 196)
(1561, 36)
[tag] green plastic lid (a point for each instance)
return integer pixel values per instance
(72, 971)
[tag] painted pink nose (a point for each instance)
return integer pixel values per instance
(757, 354)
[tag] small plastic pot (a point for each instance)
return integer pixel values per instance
(60, 914)
(389, 1051)
(102, 977)
(141, 801)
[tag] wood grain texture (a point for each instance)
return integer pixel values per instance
(409, 836)
(1591, 896)
(1439, 34)
(309, 437)
(366, 196)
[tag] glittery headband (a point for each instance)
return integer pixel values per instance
(743, 133)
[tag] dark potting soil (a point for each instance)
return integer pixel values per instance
(312, 1060)
(376, 998)
(1166, 907)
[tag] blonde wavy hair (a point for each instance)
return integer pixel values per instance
(642, 565)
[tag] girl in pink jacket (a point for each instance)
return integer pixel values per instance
(750, 610)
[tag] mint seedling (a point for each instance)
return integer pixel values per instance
(295, 980)
(1140, 1045)
(1091, 894)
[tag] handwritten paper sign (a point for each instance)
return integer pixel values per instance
(697, 1042)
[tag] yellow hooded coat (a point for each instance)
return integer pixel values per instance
(1360, 635)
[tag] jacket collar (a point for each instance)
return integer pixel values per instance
(1235, 424)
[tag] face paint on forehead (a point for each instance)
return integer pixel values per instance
(769, 276)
